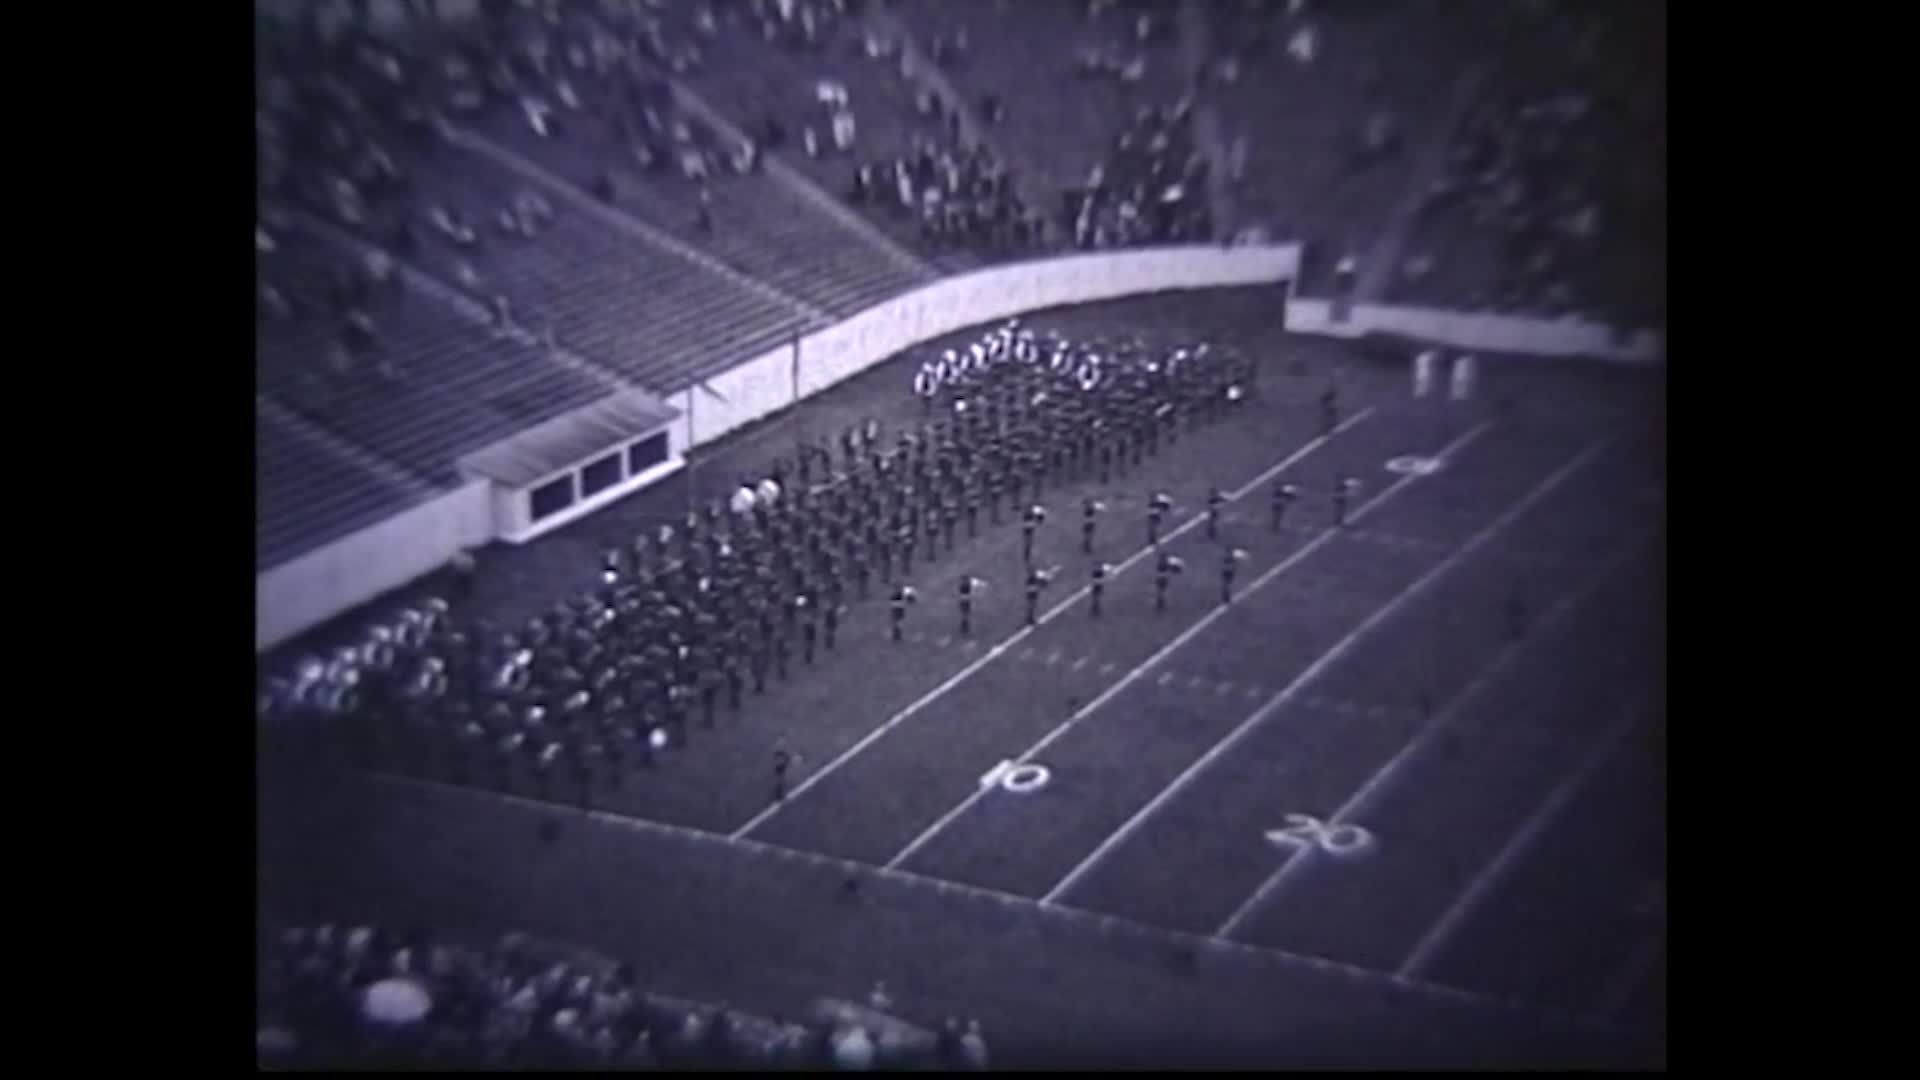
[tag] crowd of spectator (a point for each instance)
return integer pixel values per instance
(961, 198)
(370, 998)
(1560, 166)
(1150, 189)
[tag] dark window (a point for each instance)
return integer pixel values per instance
(552, 497)
(600, 475)
(646, 453)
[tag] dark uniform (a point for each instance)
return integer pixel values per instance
(966, 604)
(1163, 572)
(832, 619)
(1329, 409)
(1215, 500)
(1088, 514)
(1100, 571)
(1342, 491)
(781, 761)
(1028, 523)
(1036, 581)
(1283, 496)
(1229, 566)
(1156, 514)
(902, 596)
(709, 694)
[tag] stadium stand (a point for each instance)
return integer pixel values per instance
(1325, 165)
(309, 494)
(1552, 194)
(509, 255)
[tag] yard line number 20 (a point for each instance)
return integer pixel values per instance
(1306, 831)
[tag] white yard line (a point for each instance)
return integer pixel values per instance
(1313, 671)
(1167, 650)
(1449, 922)
(1427, 736)
(965, 673)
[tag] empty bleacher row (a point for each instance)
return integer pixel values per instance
(307, 495)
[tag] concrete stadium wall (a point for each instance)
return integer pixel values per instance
(767, 383)
(1472, 330)
(308, 590)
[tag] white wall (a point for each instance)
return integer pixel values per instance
(764, 384)
(312, 588)
(1473, 330)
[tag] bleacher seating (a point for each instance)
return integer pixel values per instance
(306, 496)
(759, 226)
(448, 388)
(1552, 191)
(1058, 123)
(652, 315)
(1303, 114)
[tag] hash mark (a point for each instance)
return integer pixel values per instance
(1224, 689)
(1165, 677)
(1080, 663)
(1107, 668)
(1053, 657)
(1196, 683)
(945, 641)
(1026, 653)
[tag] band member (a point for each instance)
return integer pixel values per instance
(1283, 496)
(1215, 500)
(1229, 565)
(734, 683)
(968, 585)
(1329, 408)
(1028, 523)
(1156, 514)
(1090, 511)
(1163, 571)
(1100, 572)
(782, 760)
(1036, 580)
(902, 596)
(832, 619)
(1343, 491)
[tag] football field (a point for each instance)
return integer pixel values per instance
(1401, 801)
